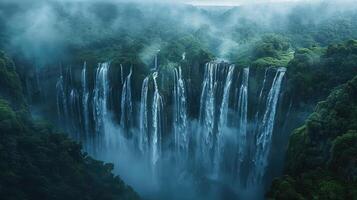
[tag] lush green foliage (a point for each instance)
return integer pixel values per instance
(321, 158)
(343, 156)
(307, 31)
(9, 81)
(37, 162)
(270, 45)
(269, 50)
(314, 71)
(322, 154)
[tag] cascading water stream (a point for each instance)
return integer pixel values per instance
(181, 137)
(85, 104)
(61, 100)
(261, 94)
(207, 114)
(157, 106)
(143, 135)
(75, 111)
(223, 119)
(225, 148)
(121, 74)
(100, 99)
(242, 119)
(183, 57)
(264, 137)
(126, 104)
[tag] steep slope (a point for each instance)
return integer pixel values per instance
(322, 154)
(37, 162)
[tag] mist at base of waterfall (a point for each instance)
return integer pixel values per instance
(221, 154)
(170, 180)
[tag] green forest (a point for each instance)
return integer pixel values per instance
(153, 100)
(39, 161)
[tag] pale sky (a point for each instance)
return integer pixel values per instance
(238, 2)
(193, 2)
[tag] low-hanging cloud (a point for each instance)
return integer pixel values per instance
(43, 30)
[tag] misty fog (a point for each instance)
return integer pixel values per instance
(206, 121)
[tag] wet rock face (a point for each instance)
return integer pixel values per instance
(229, 139)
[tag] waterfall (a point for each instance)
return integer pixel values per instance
(181, 138)
(75, 111)
(220, 145)
(260, 98)
(207, 113)
(242, 119)
(126, 104)
(85, 99)
(155, 62)
(263, 86)
(121, 74)
(72, 103)
(143, 135)
(265, 131)
(100, 99)
(157, 106)
(61, 99)
(223, 118)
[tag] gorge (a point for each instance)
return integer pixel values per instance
(225, 143)
(173, 100)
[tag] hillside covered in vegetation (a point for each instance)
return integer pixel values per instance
(243, 102)
(321, 158)
(38, 162)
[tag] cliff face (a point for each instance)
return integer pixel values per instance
(38, 162)
(321, 158)
(310, 75)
